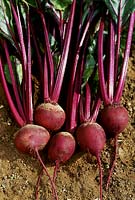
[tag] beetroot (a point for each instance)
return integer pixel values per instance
(114, 119)
(61, 147)
(50, 116)
(91, 137)
(31, 138)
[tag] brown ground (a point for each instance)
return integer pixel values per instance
(79, 178)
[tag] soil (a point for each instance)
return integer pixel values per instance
(78, 179)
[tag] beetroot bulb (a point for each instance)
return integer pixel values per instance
(31, 139)
(91, 138)
(50, 115)
(114, 119)
(61, 148)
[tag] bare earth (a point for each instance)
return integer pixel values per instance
(78, 179)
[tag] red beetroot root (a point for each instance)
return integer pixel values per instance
(49, 115)
(61, 147)
(91, 137)
(114, 119)
(30, 138)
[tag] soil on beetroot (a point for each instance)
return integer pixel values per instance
(78, 179)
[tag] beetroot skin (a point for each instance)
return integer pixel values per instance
(114, 119)
(49, 115)
(91, 137)
(61, 147)
(30, 138)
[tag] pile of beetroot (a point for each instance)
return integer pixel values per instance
(63, 78)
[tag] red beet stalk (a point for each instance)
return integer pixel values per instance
(23, 98)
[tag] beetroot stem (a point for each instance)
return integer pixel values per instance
(45, 170)
(23, 51)
(87, 112)
(96, 108)
(14, 84)
(76, 97)
(117, 43)
(111, 62)
(29, 86)
(21, 37)
(123, 73)
(74, 106)
(45, 85)
(48, 51)
(21, 122)
(100, 174)
(13, 37)
(74, 101)
(20, 34)
(62, 66)
(80, 44)
(76, 77)
(39, 60)
(61, 26)
(81, 110)
(101, 65)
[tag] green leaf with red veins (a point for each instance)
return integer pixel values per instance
(61, 5)
(127, 7)
(17, 70)
(5, 17)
